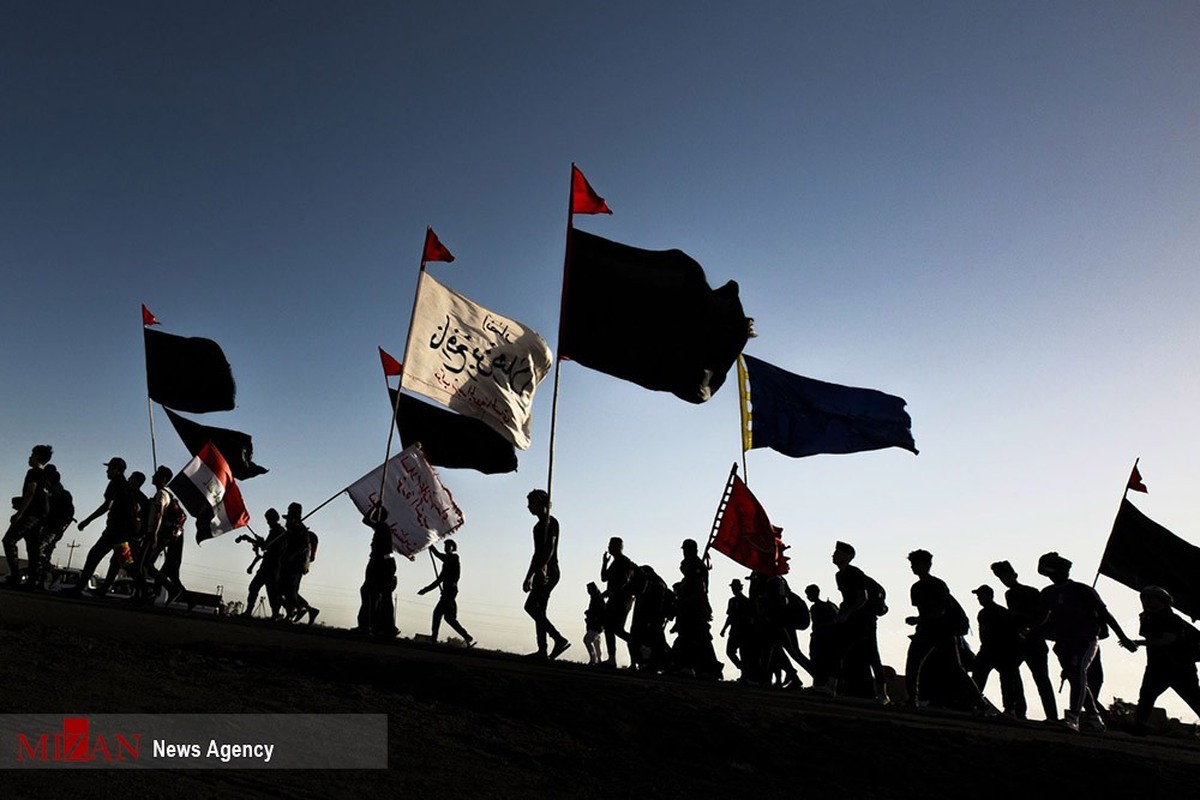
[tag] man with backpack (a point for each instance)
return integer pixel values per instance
(1076, 618)
(26, 524)
(163, 537)
(59, 516)
(859, 667)
(940, 624)
(299, 551)
(1172, 649)
(618, 573)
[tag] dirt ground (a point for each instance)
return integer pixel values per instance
(485, 724)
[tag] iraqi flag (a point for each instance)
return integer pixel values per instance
(206, 489)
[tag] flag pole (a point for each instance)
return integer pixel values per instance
(558, 359)
(744, 404)
(149, 402)
(327, 502)
(391, 428)
(712, 534)
(407, 340)
(1124, 497)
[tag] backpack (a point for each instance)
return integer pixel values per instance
(797, 612)
(61, 511)
(876, 597)
(956, 618)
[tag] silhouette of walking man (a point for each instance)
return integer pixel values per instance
(543, 575)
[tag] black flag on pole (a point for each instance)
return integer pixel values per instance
(649, 317)
(188, 374)
(452, 440)
(1142, 553)
(235, 446)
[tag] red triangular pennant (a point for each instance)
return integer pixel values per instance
(584, 199)
(434, 249)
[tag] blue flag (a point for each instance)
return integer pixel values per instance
(800, 416)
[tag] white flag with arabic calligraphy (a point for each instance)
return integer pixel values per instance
(420, 508)
(473, 361)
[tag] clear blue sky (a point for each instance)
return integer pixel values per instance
(991, 210)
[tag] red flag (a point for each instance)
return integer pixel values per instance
(584, 199)
(147, 317)
(391, 367)
(1135, 481)
(435, 250)
(747, 536)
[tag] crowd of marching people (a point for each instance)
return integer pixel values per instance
(633, 608)
(762, 621)
(142, 539)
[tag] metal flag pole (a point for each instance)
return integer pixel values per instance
(1124, 497)
(149, 402)
(558, 359)
(744, 403)
(407, 341)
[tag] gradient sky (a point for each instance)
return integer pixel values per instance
(991, 210)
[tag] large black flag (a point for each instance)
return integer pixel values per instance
(235, 446)
(452, 440)
(1142, 553)
(188, 374)
(650, 317)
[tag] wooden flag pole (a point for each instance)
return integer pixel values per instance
(712, 535)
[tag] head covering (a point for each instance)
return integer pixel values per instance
(1158, 593)
(1052, 564)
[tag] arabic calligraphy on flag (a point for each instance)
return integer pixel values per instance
(420, 508)
(474, 361)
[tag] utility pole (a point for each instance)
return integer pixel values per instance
(71, 551)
